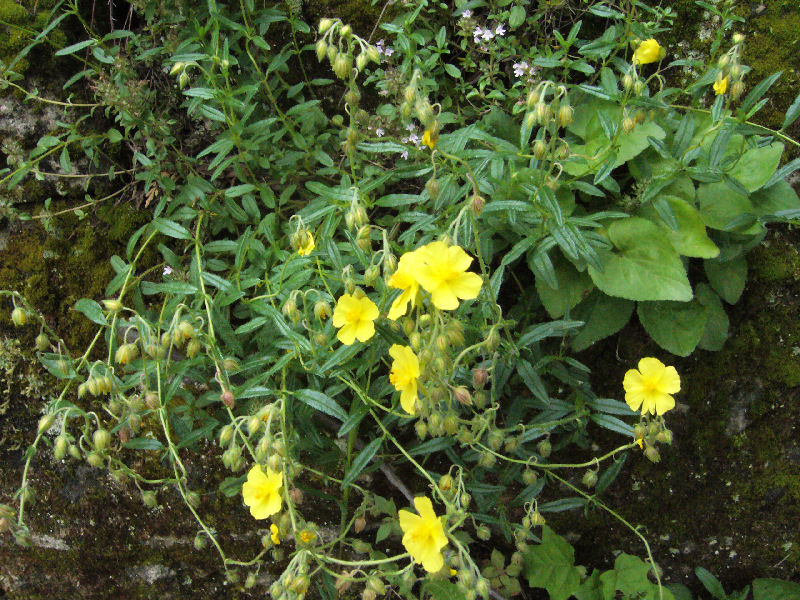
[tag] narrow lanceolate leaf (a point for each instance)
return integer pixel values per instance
(321, 402)
(361, 461)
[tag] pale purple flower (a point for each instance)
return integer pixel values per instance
(520, 68)
(167, 270)
(410, 127)
(404, 154)
(414, 139)
(379, 132)
(499, 31)
(487, 34)
(383, 92)
(466, 14)
(389, 51)
(477, 33)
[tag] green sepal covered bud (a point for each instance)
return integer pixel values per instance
(95, 460)
(361, 61)
(225, 435)
(322, 50)
(346, 31)
(112, 305)
(42, 342)
(60, 447)
(149, 499)
(193, 499)
(373, 54)
(19, 317)
(589, 479)
(45, 423)
(483, 533)
(100, 439)
(325, 24)
(651, 452)
(253, 424)
(544, 448)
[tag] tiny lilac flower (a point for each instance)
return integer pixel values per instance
(167, 270)
(520, 68)
(410, 127)
(487, 34)
(388, 51)
(414, 139)
(499, 31)
(477, 33)
(404, 154)
(379, 132)
(466, 14)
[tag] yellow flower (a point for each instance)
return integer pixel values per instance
(274, 534)
(444, 274)
(306, 244)
(354, 316)
(651, 386)
(306, 536)
(720, 85)
(429, 139)
(423, 535)
(404, 374)
(453, 572)
(648, 51)
(404, 279)
(262, 492)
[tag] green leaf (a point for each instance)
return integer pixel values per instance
(591, 589)
(452, 70)
(711, 583)
(675, 326)
(573, 286)
(321, 402)
(775, 589)
(757, 165)
(516, 16)
(75, 47)
(551, 565)
(231, 486)
(717, 324)
(689, 238)
(727, 278)
(438, 589)
(771, 200)
(602, 316)
(643, 266)
(143, 444)
(171, 229)
(720, 207)
(792, 113)
(361, 461)
(680, 591)
(629, 576)
(91, 310)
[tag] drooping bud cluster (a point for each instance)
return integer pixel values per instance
(344, 50)
(730, 72)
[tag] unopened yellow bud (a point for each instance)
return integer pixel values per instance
(101, 439)
(45, 423)
(361, 61)
(19, 317)
(324, 25)
(322, 50)
(42, 342)
(346, 31)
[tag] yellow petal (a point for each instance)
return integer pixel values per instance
(369, 309)
(662, 403)
(670, 381)
(444, 298)
(408, 399)
(408, 520)
(466, 286)
(424, 507)
(651, 367)
(364, 330)
(347, 334)
(400, 305)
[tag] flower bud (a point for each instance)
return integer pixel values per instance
(483, 533)
(253, 424)
(112, 305)
(465, 500)
(101, 439)
(200, 541)
(533, 99)
(627, 82)
(353, 96)
(651, 452)
(74, 452)
(492, 340)
(275, 463)
(479, 377)
(324, 25)
(446, 482)
(359, 524)
(639, 431)
(94, 459)
(134, 422)
(373, 54)
(737, 89)
(371, 274)
(664, 437)
(45, 423)
(529, 476)
(42, 342)
(361, 61)
(225, 435)
(462, 395)
(19, 316)
(638, 87)
(60, 447)
(566, 115)
(333, 52)
(346, 31)
(530, 120)
(193, 499)
(544, 448)
(322, 50)
(723, 61)
(341, 66)
(177, 68)
(432, 187)
(542, 112)
(589, 478)
(738, 38)
(193, 348)
(628, 124)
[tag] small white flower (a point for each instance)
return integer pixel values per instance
(466, 14)
(167, 270)
(520, 68)
(499, 31)
(414, 139)
(487, 34)
(477, 33)
(388, 51)
(379, 132)
(410, 127)
(404, 154)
